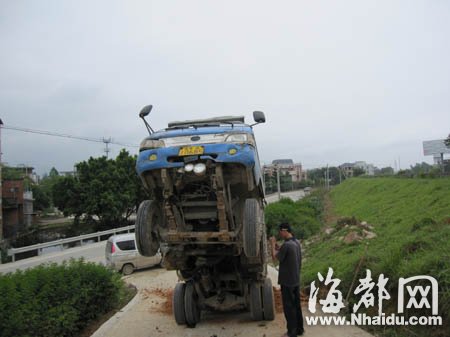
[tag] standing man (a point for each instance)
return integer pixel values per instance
(290, 257)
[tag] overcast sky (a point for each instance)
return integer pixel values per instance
(339, 81)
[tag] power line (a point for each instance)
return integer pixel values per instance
(56, 134)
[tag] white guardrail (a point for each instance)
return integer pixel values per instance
(13, 251)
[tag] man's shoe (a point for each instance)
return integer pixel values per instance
(300, 332)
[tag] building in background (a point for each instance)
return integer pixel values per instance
(68, 173)
(16, 200)
(348, 169)
(437, 149)
(286, 166)
(369, 169)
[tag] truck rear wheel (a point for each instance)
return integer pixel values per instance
(256, 310)
(178, 303)
(191, 309)
(148, 219)
(268, 300)
(252, 232)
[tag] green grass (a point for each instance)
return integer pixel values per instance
(411, 218)
(303, 215)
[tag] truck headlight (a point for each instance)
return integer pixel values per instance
(189, 167)
(237, 138)
(148, 144)
(199, 169)
(243, 138)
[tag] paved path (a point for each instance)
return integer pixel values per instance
(294, 195)
(149, 315)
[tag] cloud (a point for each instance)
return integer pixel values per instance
(338, 81)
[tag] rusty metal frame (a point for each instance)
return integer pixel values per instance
(201, 237)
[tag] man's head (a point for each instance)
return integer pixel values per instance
(285, 230)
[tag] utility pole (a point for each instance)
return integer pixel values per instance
(107, 150)
(1, 188)
(328, 178)
(278, 182)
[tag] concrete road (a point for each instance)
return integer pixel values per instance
(150, 314)
(294, 195)
(94, 252)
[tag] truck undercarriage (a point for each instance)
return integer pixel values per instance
(207, 218)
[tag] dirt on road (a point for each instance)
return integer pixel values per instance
(149, 314)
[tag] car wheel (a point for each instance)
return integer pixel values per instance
(128, 269)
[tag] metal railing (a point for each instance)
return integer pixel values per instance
(13, 251)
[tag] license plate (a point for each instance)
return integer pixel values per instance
(191, 150)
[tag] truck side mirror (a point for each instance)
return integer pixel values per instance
(145, 111)
(259, 117)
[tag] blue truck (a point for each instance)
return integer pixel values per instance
(205, 213)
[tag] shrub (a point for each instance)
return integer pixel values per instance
(304, 215)
(56, 300)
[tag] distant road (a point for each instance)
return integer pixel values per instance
(294, 195)
(95, 252)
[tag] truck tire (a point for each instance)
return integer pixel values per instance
(268, 300)
(148, 219)
(191, 309)
(252, 222)
(178, 303)
(256, 310)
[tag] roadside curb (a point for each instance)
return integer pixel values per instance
(109, 324)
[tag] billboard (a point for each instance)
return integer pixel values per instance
(434, 147)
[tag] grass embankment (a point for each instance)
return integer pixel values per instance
(411, 220)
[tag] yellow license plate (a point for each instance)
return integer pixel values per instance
(191, 150)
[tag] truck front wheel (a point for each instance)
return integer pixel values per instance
(252, 232)
(148, 220)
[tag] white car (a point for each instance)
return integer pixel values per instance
(122, 255)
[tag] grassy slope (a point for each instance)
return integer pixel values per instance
(407, 243)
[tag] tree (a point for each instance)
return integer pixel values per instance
(135, 192)
(447, 141)
(53, 172)
(317, 176)
(104, 188)
(11, 173)
(387, 171)
(421, 169)
(66, 196)
(357, 171)
(47, 183)
(41, 198)
(270, 182)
